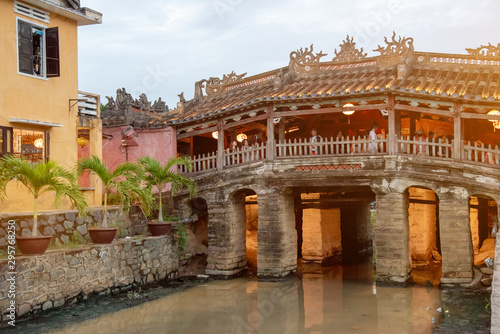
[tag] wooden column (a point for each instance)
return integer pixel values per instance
(458, 133)
(392, 142)
(220, 145)
(281, 130)
(270, 133)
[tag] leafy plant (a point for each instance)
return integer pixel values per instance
(39, 179)
(180, 230)
(77, 238)
(159, 176)
(125, 181)
(121, 228)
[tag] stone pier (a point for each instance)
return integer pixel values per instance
(456, 240)
(391, 237)
(277, 236)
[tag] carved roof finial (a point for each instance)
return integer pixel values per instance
(213, 83)
(485, 51)
(306, 56)
(348, 51)
(401, 46)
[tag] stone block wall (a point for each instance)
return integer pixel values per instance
(391, 237)
(321, 233)
(277, 236)
(456, 240)
(495, 294)
(58, 277)
(63, 225)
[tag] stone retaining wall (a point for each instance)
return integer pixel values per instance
(59, 277)
(65, 225)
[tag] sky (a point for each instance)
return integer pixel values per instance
(162, 47)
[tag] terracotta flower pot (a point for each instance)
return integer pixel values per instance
(33, 245)
(102, 235)
(158, 229)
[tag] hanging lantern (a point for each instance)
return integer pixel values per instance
(496, 123)
(241, 137)
(38, 143)
(215, 135)
(348, 112)
(82, 142)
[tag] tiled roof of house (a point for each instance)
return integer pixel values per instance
(471, 77)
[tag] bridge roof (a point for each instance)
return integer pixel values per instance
(468, 78)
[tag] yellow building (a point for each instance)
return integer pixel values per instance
(42, 114)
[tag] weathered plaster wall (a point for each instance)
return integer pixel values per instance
(157, 143)
(58, 277)
(321, 234)
(41, 100)
(252, 226)
(422, 218)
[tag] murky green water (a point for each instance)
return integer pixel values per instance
(335, 300)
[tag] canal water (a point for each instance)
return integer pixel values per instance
(337, 299)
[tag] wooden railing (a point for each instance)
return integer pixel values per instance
(481, 154)
(201, 163)
(245, 155)
(432, 148)
(331, 147)
(361, 146)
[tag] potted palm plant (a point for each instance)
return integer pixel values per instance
(159, 176)
(40, 178)
(125, 181)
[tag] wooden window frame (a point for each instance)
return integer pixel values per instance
(50, 61)
(6, 132)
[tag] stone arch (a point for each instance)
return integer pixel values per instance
(424, 241)
(243, 217)
(483, 223)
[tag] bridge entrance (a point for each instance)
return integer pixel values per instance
(424, 236)
(333, 225)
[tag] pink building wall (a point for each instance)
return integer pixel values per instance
(157, 143)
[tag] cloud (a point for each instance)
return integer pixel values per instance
(193, 39)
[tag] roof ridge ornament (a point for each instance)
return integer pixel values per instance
(304, 56)
(400, 46)
(485, 51)
(348, 51)
(213, 83)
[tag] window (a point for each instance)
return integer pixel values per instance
(38, 50)
(5, 141)
(30, 145)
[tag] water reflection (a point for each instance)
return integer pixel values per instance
(334, 300)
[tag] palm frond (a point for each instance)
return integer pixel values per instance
(96, 166)
(41, 178)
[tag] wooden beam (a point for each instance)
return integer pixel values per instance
(197, 132)
(392, 140)
(270, 133)
(423, 110)
(244, 121)
(479, 116)
(330, 110)
(458, 135)
(220, 146)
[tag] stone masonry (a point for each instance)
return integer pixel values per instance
(277, 236)
(64, 225)
(455, 233)
(59, 277)
(495, 295)
(391, 237)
